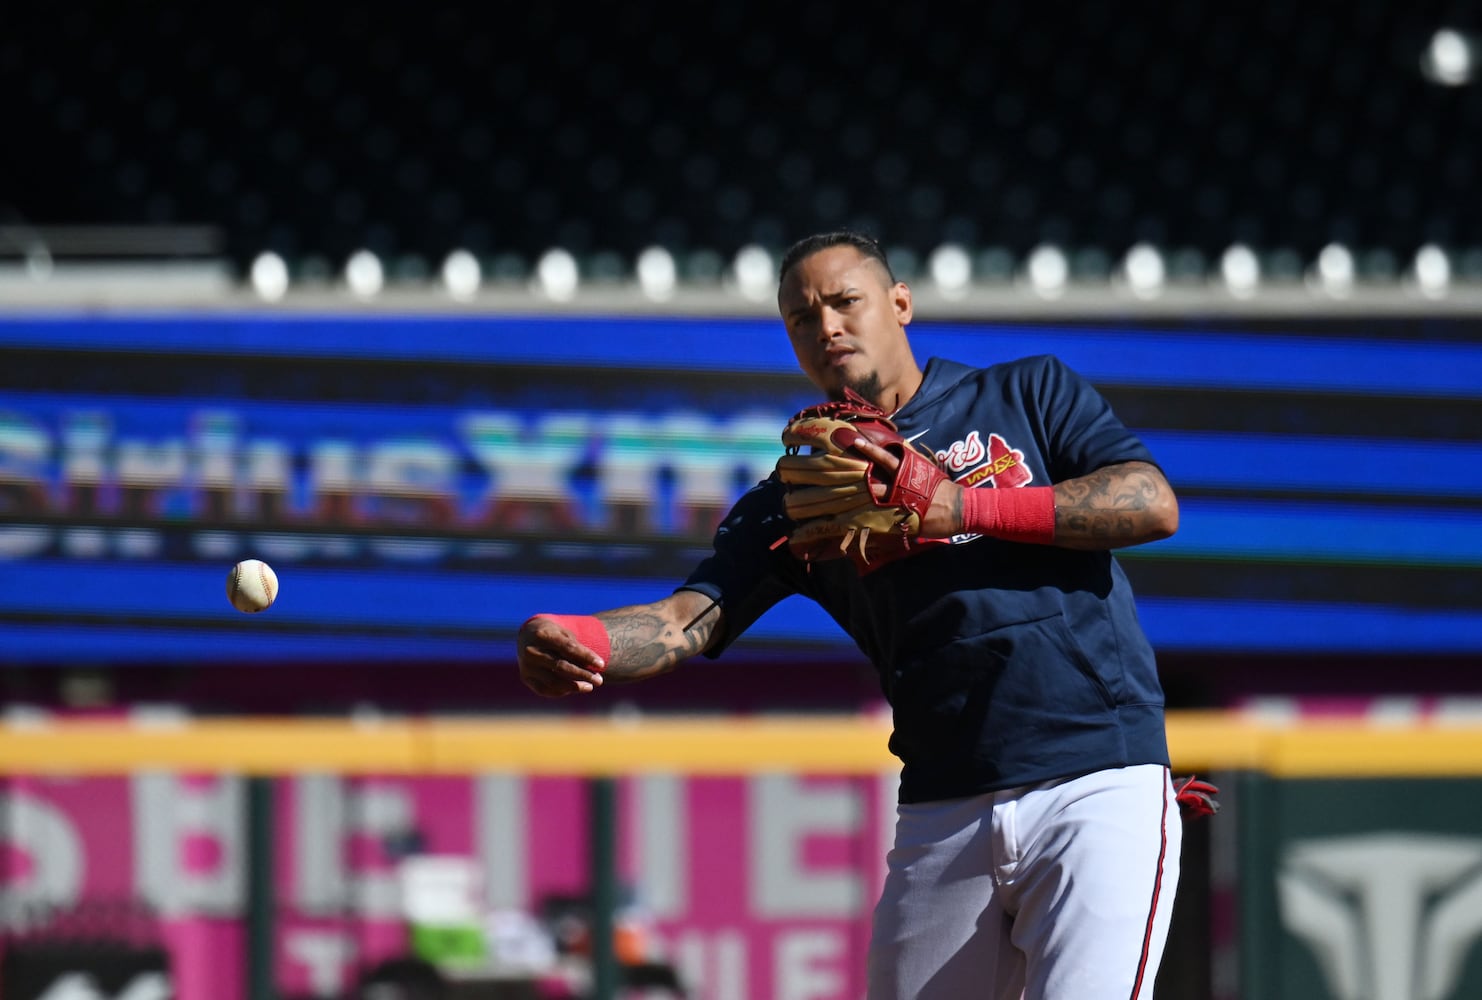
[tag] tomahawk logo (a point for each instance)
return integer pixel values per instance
(1389, 916)
(1002, 464)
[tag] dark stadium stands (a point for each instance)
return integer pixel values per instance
(316, 129)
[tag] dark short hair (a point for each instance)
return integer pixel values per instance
(806, 247)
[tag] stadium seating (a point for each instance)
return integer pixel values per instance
(316, 129)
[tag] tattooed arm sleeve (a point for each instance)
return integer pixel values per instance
(1118, 505)
(651, 639)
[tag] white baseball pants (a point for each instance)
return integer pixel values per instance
(1056, 891)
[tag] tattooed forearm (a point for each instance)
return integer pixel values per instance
(1118, 505)
(646, 642)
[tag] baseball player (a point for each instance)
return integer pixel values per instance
(1037, 842)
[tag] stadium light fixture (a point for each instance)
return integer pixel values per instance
(269, 276)
(1431, 271)
(462, 275)
(1450, 59)
(1241, 270)
(951, 270)
(556, 274)
(364, 274)
(1047, 270)
(1334, 270)
(657, 273)
(39, 263)
(1144, 271)
(754, 272)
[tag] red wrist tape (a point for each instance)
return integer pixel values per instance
(589, 631)
(1026, 514)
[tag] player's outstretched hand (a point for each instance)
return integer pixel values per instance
(553, 663)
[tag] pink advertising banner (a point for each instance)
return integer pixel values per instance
(747, 888)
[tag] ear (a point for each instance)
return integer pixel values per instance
(900, 297)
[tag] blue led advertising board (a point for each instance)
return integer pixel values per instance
(424, 483)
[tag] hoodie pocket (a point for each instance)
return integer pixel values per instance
(1025, 681)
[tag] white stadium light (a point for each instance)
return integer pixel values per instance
(1450, 59)
(1334, 270)
(269, 276)
(951, 270)
(1047, 270)
(1241, 270)
(657, 273)
(1432, 271)
(755, 273)
(556, 274)
(462, 275)
(39, 263)
(364, 274)
(1143, 270)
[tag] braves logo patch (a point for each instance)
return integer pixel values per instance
(997, 462)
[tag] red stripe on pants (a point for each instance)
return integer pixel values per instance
(1147, 934)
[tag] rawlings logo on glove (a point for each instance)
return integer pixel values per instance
(831, 488)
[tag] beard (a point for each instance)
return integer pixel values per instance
(867, 386)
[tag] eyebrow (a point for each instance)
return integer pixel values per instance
(841, 293)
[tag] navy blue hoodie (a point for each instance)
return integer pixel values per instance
(1004, 663)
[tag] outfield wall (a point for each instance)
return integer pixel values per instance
(1345, 852)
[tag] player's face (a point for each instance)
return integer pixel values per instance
(847, 323)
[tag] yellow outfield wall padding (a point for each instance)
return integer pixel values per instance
(246, 746)
(1208, 741)
(592, 745)
(843, 744)
(1319, 751)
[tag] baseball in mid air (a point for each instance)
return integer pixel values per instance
(251, 586)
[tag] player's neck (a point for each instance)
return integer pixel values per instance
(899, 393)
